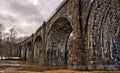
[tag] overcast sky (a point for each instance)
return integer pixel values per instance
(26, 15)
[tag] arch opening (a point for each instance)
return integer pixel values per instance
(37, 48)
(29, 55)
(23, 52)
(19, 51)
(57, 38)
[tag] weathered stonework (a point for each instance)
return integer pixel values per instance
(103, 29)
(117, 50)
(96, 36)
(23, 52)
(57, 41)
(29, 52)
(37, 49)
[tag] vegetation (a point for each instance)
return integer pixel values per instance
(8, 39)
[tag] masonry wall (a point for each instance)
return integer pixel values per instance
(23, 52)
(96, 31)
(68, 11)
(103, 33)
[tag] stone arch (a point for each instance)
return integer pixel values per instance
(37, 48)
(57, 37)
(19, 50)
(29, 54)
(23, 52)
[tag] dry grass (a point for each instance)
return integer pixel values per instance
(60, 71)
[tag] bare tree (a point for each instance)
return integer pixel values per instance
(13, 35)
(1, 30)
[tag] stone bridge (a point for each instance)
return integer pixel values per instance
(95, 28)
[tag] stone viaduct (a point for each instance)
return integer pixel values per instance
(95, 27)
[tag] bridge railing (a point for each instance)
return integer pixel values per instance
(55, 11)
(84, 4)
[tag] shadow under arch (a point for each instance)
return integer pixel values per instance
(29, 53)
(23, 52)
(37, 48)
(57, 38)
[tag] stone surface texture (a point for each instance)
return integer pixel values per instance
(95, 44)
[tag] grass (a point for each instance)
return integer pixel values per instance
(60, 71)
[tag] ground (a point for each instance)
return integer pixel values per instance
(59, 71)
(16, 66)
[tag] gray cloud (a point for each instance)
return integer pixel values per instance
(26, 15)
